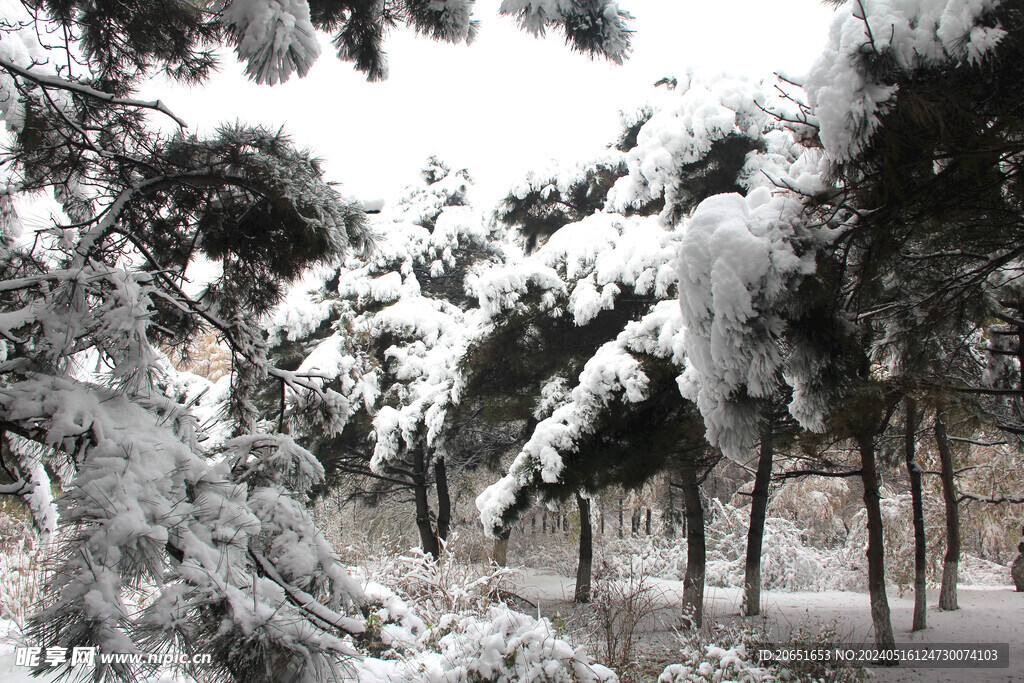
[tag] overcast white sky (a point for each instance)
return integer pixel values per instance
(507, 103)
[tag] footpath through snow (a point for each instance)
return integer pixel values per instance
(986, 615)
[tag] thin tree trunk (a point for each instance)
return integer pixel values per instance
(693, 580)
(444, 500)
(428, 539)
(586, 563)
(755, 535)
(880, 616)
(1017, 568)
(917, 504)
(951, 562)
(620, 516)
(647, 524)
(670, 515)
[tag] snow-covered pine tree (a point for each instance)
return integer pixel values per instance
(86, 300)
(547, 200)
(397, 324)
(593, 27)
(929, 162)
(220, 532)
(521, 365)
(922, 133)
(754, 304)
(613, 270)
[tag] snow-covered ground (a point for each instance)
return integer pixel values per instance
(986, 615)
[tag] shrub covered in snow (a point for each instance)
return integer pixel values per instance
(444, 586)
(715, 663)
(787, 562)
(444, 621)
(729, 654)
(500, 645)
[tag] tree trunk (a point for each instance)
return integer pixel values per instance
(499, 554)
(880, 617)
(693, 581)
(917, 503)
(428, 539)
(755, 535)
(620, 516)
(647, 524)
(444, 500)
(583, 570)
(670, 514)
(1017, 568)
(951, 563)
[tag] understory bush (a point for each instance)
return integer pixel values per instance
(444, 620)
(789, 561)
(729, 653)
(620, 611)
(23, 558)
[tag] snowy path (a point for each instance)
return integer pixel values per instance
(986, 615)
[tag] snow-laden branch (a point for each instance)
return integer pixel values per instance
(612, 373)
(309, 604)
(846, 91)
(51, 81)
(994, 500)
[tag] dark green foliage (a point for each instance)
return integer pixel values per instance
(588, 32)
(441, 22)
(506, 368)
(546, 207)
(123, 41)
(630, 444)
(552, 203)
(717, 172)
(938, 192)
(592, 27)
(628, 138)
(361, 38)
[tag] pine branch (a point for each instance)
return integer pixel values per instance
(83, 89)
(307, 602)
(815, 473)
(977, 443)
(994, 500)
